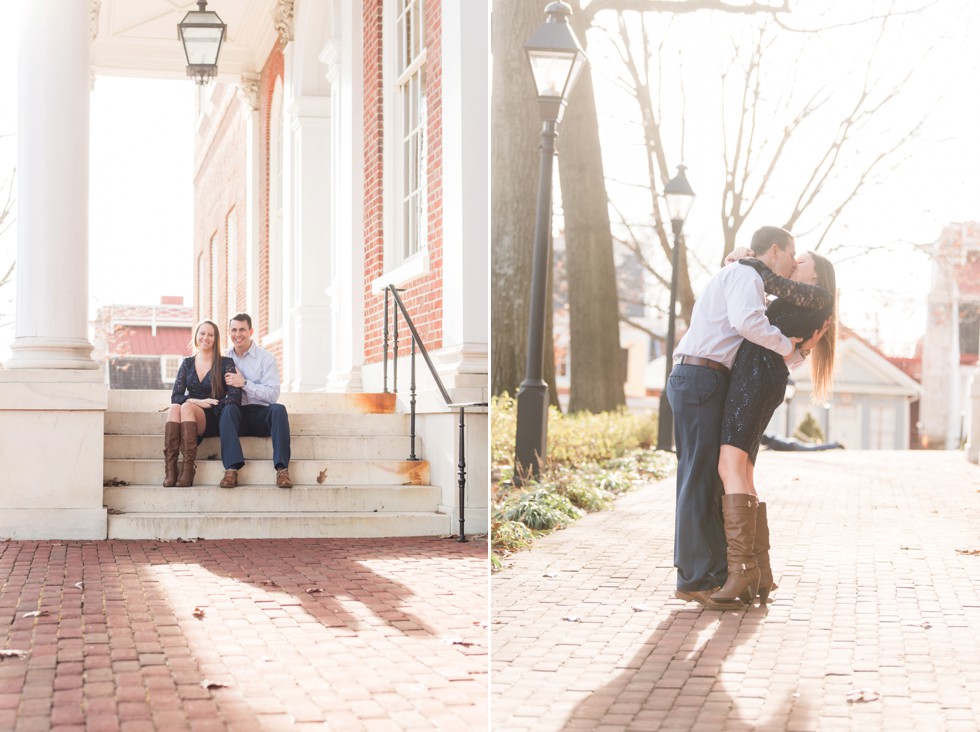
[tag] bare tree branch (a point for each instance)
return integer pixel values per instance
(852, 23)
(682, 6)
(6, 277)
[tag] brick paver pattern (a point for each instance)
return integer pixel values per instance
(325, 634)
(875, 625)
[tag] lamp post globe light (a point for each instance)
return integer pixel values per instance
(556, 60)
(201, 33)
(680, 196)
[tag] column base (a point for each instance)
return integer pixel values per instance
(30, 352)
(39, 524)
(53, 427)
(346, 381)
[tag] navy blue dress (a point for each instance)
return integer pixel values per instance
(189, 386)
(758, 379)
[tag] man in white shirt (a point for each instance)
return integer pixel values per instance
(731, 308)
(257, 375)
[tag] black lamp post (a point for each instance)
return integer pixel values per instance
(201, 33)
(556, 60)
(679, 197)
(790, 393)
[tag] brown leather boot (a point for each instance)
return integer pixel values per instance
(766, 585)
(171, 448)
(188, 443)
(740, 511)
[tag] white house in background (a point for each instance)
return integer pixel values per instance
(870, 408)
(950, 346)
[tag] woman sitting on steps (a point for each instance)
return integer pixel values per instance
(198, 396)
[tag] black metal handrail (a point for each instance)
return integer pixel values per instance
(391, 296)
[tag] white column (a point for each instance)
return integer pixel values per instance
(308, 266)
(52, 196)
(52, 397)
(465, 197)
(345, 291)
(249, 94)
(973, 445)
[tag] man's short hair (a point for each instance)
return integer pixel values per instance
(769, 235)
(243, 317)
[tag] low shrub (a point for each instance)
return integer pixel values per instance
(592, 458)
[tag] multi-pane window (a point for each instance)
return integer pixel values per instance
(412, 119)
(231, 229)
(169, 365)
(215, 294)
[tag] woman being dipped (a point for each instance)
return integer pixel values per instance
(199, 394)
(803, 305)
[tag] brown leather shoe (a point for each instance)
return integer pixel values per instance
(703, 598)
(283, 480)
(230, 480)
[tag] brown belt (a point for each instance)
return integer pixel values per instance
(697, 361)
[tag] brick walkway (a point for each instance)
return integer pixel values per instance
(874, 595)
(301, 634)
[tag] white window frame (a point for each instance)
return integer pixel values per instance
(169, 366)
(201, 284)
(231, 247)
(403, 261)
(215, 292)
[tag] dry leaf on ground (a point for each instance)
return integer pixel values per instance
(863, 695)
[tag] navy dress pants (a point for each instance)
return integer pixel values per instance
(697, 398)
(253, 421)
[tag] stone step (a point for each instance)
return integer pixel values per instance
(171, 526)
(150, 400)
(309, 447)
(303, 472)
(151, 423)
(248, 499)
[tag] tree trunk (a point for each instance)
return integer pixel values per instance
(515, 155)
(597, 364)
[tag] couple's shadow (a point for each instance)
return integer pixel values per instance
(690, 673)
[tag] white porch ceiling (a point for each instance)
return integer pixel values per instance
(139, 37)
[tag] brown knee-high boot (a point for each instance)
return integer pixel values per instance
(188, 443)
(743, 573)
(171, 447)
(766, 585)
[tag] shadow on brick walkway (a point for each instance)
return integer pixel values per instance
(875, 626)
(292, 634)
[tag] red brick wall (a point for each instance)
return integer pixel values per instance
(423, 295)
(220, 193)
(219, 190)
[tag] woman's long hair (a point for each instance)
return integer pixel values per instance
(825, 351)
(217, 374)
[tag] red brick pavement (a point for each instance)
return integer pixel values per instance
(352, 634)
(879, 591)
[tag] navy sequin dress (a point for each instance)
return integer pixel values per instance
(758, 379)
(188, 386)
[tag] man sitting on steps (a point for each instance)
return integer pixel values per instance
(257, 375)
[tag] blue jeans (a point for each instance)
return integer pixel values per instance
(697, 398)
(253, 421)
